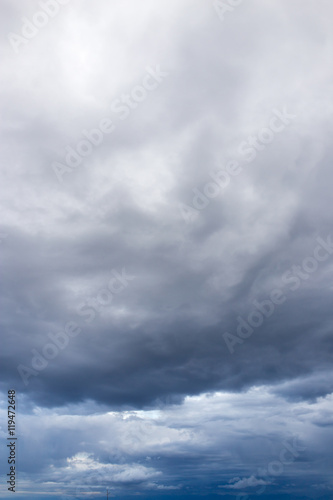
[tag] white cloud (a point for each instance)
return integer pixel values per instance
(246, 482)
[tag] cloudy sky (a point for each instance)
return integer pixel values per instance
(167, 248)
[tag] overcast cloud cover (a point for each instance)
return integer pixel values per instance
(166, 292)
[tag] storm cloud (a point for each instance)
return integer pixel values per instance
(167, 246)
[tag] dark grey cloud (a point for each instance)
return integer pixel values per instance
(253, 89)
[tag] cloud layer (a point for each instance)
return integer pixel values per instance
(166, 242)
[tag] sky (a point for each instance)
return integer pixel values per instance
(166, 248)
